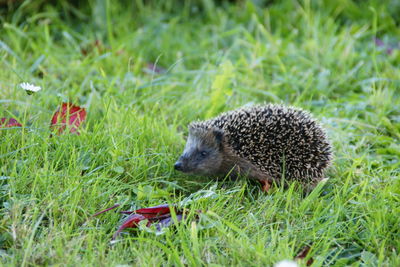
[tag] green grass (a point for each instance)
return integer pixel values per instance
(319, 56)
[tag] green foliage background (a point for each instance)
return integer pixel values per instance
(144, 70)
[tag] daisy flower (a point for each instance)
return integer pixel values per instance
(30, 88)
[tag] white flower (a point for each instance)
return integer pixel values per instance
(30, 88)
(286, 263)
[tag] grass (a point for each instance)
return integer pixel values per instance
(319, 56)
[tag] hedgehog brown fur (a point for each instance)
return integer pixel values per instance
(262, 142)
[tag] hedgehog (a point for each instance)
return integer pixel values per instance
(269, 143)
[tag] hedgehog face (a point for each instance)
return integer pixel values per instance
(203, 152)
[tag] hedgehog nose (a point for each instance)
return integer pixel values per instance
(178, 166)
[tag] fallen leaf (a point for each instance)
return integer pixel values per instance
(303, 254)
(70, 115)
(160, 216)
(265, 185)
(9, 122)
(154, 211)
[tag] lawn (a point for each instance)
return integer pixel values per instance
(144, 70)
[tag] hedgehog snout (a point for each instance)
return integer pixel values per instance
(181, 164)
(178, 166)
(185, 163)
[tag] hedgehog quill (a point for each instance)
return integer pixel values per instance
(270, 143)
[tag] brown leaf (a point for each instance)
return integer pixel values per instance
(303, 254)
(265, 185)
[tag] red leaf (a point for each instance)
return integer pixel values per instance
(157, 213)
(151, 211)
(9, 122)
(160, 214)
(132, 222)
(154, 211)
(74, 114)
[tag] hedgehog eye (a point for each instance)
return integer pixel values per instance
(203, 153)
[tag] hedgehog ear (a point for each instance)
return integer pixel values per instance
(219, 135)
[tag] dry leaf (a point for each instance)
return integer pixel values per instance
(303, 254)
